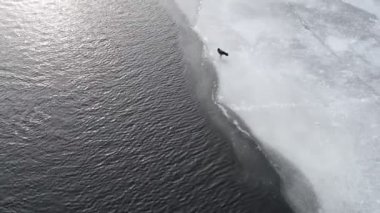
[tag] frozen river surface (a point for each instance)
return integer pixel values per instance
(305, 77)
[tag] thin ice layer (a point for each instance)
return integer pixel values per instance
(305, 77)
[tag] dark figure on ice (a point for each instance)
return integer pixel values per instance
(221, 52)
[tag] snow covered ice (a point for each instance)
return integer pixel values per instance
(305, 77)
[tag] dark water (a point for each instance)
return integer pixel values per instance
(97, 115)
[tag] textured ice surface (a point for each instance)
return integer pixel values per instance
(305, 76)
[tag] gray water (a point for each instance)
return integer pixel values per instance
(98, 113)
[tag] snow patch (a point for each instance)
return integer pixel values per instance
(339, 44)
